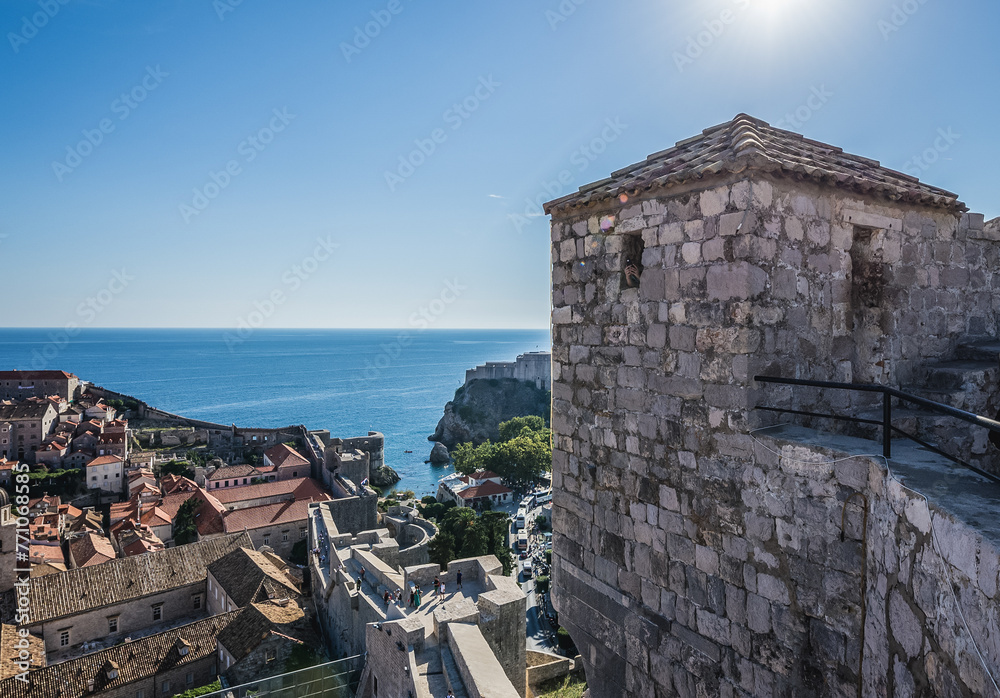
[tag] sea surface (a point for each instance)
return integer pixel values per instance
(348, 381)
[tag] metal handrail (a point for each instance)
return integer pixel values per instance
(887, 429)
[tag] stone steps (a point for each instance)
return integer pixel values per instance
(982, 350)
(451, 673)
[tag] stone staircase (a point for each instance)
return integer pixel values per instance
(970, 382)
(437, 671)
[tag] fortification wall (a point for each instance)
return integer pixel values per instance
(534, 367)
(682, 562)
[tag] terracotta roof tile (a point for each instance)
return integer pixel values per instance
(267, 515)
(91, 549)
(303, 488)
(136, 660)
(486, 489)
(284, 455)
(257, 622)
(248, 576)
(748, 144)
(125, 579)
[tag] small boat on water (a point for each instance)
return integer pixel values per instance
(407, 451)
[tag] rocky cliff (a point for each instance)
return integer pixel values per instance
(480, 405)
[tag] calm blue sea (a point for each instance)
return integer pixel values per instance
(348, 381)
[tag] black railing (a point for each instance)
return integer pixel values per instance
(886, 422)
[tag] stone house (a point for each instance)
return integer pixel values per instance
(288, 463)
(243, 577)
(30, 424)
(163, 664)
(82, 608)
(232, 476)
(106, 473)
(19, 385)
(694, 554)
(278, 526)
(262, 638)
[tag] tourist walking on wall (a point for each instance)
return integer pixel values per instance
(459, 579)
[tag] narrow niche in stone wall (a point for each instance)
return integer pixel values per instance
(632, 249)
(868, 281)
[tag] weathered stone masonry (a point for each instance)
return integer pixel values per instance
(688, 559)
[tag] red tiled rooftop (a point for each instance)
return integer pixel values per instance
(303, 488)
(284, 455)
(267, 515)
(91, 549)
(105, 460)
(487, 489)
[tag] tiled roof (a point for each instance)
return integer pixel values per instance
(233, 471)
(208, 515)
(136, 660)
(303, 488)
(748, 144)
(177, 483)
(24, 410)
(483, 475)
(105, 460)
(125, 579)
(248, 576)
(39, 552)
(255, 623)
(133, 542)
(91, 549)
(284, 455)
(34, 375)
(486, 489)
(10, 653)
(267, 515)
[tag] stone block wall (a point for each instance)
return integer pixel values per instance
(675, 563)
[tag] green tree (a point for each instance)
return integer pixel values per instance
(301, 657)
(513, 427)
(201, 690)
(520, 457)
(496, 524)
(298, 554)
(176, 467)
(541, 584)
(474, 541)
(185, 530)
(441, 550)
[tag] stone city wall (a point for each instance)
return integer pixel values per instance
(671, 569)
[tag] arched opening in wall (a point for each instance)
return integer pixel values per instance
(632, 249)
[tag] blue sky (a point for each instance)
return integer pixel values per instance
(370, 164)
